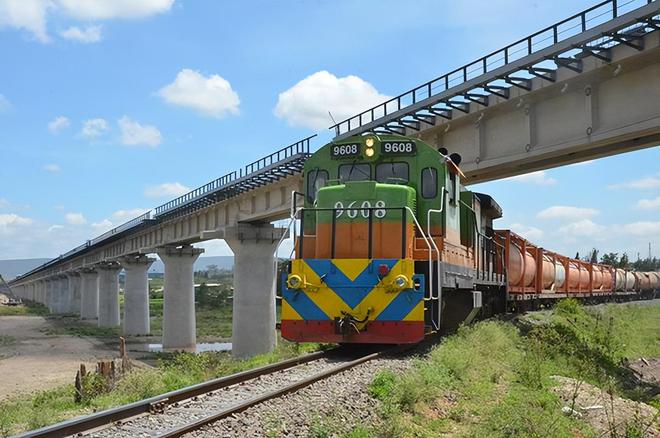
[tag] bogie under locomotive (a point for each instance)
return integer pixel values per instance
(392, 247)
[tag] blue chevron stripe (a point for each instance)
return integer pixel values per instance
(351, 292)
(302, 304)
(404, 303)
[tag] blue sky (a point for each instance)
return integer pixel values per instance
(112, 107)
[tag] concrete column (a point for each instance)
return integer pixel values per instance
(89, 298)
(179, 329)
(50, 294)
(41, 292)
(109, 294)
(136, 294)
(253, 319)
(64, 294)
(74, 291)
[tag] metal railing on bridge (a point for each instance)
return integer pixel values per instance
(281, 163)
(591, 32)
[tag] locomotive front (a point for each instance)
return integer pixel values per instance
(353, 278)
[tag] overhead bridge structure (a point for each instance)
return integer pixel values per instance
(583, 88)
(586, 87)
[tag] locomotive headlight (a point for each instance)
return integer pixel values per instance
(369, 150)
(294, 282)
(401, 281)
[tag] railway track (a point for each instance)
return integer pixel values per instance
(186, 410)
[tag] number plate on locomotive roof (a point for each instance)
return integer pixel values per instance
(398, 148)
(345, 150)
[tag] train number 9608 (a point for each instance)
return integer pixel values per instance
(345, 150)
(363, 209)
(398, 147)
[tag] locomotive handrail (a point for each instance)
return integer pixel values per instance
(428, 228)
(370, 210)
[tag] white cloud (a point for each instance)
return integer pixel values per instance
(647, 183)
(29, 15)
(648, 204)
(645, 229)
(166, 189)
(52, 167)
(33, 15)
(208, 95)
(13, 220)
(307, 103)
(539, 178)
(94, 128)
(135, 134)
(58, 123)
(566, 212)
(584, 228)
(110, 9)
(89, 34)
(531, 233)
(75, 219)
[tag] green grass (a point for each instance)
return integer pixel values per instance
(492, 379)
(174, 371)
(24, 309)
(6, 340)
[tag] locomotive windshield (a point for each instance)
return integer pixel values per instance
(393, 173)
(354, 172)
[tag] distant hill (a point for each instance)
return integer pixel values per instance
(11, 268)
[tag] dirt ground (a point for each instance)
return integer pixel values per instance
(610, 415)
(33, 360)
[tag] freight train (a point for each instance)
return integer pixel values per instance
(391, 247)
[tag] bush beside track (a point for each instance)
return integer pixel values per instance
(494, 378)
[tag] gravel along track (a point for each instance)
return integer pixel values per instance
(182, 413)
(338, 403)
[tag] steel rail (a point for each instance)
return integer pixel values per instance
(158, 403)
(195, 425)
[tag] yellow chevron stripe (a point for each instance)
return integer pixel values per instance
(351, 268)
(324, 297)
(332, 305)
(417, 313)
(379, 297)
(289, 313)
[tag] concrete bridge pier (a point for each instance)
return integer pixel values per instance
(253, 320)
(179, 326)
(39, 295)
(74, 292)
(50, 294)
(64, 294)
(109, 294)
(89, 294)
(136, 294)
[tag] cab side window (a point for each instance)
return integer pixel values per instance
(429, 183)
(316, 179)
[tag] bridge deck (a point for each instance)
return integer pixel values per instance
(592, 32)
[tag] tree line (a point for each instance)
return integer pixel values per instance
(623, 261)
